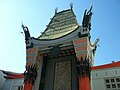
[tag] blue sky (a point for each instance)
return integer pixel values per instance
(36, 15)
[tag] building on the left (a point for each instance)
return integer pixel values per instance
(11, 80)
(2, 80)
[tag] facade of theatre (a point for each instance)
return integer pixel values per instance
(62, 56)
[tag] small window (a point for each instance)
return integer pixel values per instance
(84, 30)
(107, 80)
(118, 85)
(113, 85)
(108, 86)
(112, 80)
(117, 79)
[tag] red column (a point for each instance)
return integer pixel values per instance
(30, 76)
(27, 86)
(84, 83)
(84, 70)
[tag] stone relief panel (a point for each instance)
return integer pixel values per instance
(62, 79)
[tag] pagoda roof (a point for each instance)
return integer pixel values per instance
(62, 23)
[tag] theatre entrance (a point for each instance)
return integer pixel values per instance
(59, 74)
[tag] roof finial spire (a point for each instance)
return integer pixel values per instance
(56, 9)
(71, 5)
(22, 24)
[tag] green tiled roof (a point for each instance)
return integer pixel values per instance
(61, 24)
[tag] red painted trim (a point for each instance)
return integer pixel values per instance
(80, 41)
(112, 65)
(80, 48)
(14, 76)
(31, 50)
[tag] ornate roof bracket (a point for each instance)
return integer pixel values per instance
(83, 67)
(30, 74)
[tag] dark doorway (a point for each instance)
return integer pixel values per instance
(59, 74)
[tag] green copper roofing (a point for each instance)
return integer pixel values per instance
(61, 24)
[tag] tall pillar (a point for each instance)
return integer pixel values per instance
(84, 74)
(30, 74)
(82, 50)
(85, 51)
(27, 86)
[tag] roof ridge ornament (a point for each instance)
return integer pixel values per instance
(71, 6)
(87, 18)
(26, 32)
(56, 9)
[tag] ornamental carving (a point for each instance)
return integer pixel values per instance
(30, 73)
(26, 32)
(83, 67)
(87, 18)
(55, 51)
